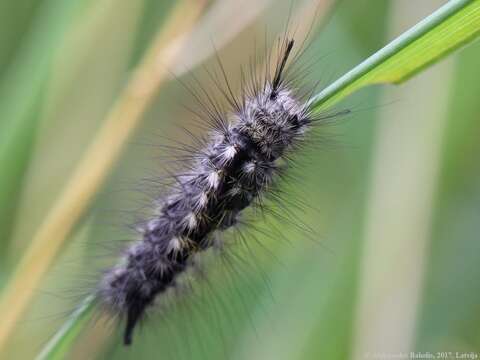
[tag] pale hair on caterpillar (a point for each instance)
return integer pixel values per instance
(243, 157)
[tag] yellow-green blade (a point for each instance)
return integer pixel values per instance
(60, 344)
(453, 25)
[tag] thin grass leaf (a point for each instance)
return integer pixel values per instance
(59, 345)
(450, 27)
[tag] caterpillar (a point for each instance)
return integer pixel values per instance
(244, 156)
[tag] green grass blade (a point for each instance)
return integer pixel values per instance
(453, 25)
(61, 343)
(22, 89)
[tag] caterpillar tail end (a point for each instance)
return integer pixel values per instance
(134, 314)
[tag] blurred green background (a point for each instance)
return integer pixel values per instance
(393, 200)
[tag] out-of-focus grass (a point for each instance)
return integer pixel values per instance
(22, 88)
(314, 290)
(449, 314)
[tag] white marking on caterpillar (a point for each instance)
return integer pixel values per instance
(249, 167)
(202, 201)
(175, 245)
(213, 179)
(233, 170)
(229, 152)
(191, 221)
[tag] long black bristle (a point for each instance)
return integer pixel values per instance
(279, 71)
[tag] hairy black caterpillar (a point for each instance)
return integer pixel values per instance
(233, 170)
